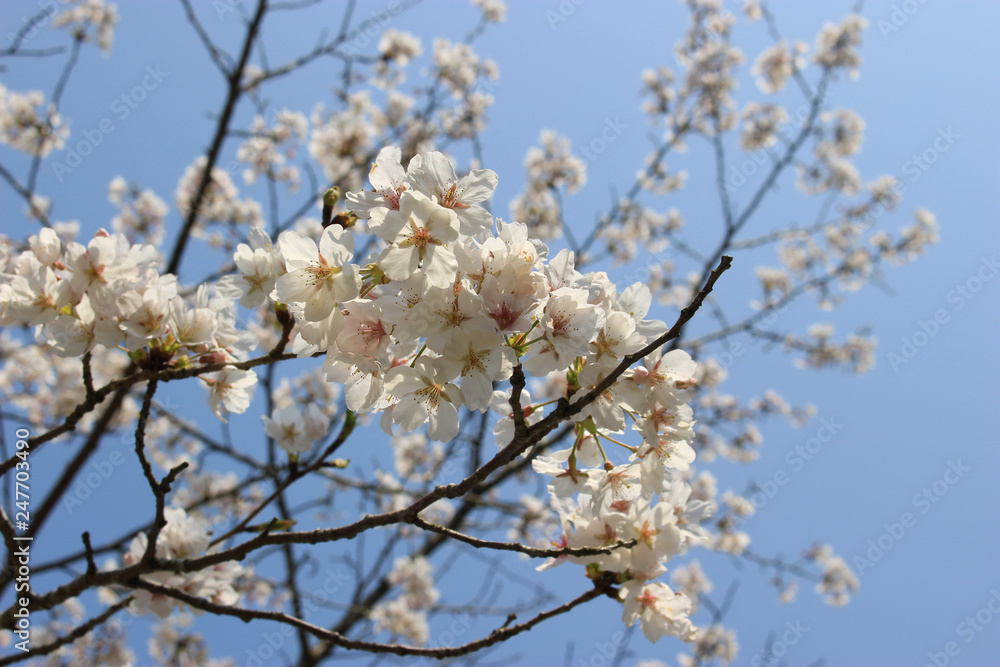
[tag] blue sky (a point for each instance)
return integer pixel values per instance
(928, 93)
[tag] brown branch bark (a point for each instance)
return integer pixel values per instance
(601, 587)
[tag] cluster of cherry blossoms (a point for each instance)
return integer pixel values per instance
(645, 502)
(89, 21)
(406, 615)
(269, 147)
(447, 303)
(110, 294)
(447, 306)
(140, 213)
(220, 204)
(28, 128)
(413, 306)
(182, 537)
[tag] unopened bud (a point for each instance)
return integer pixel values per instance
(213, 357)
(330, 198)
(274, 525)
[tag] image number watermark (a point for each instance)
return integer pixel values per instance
(20, 556)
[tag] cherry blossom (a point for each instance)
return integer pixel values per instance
(658, 609)
(421, 232)
(230, 391)
(425, 397)
(444, 312)
(479, 361)
(317, 278)
(434, 174)
(182, 537)
(259, 264)
(294, 432)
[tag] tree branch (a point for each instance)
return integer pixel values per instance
(601, 587)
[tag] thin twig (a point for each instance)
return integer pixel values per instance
(521, 548)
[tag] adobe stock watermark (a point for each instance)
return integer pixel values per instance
(914, 167)
(122, 107)
(728, 357)
(562, 12)
(90, 479)
(460, 624)
(274, 641)
(778, 648)
(30, 25)
(923, 501)
(369, 30)
(926, 330)
(223, 7)
(967, 630)
(796, 460)
(738, 175)
(604, 652)
(921, 162)
(899, 16)
(596, 147)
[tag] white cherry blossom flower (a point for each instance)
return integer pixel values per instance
(421, 232)
(366, 331)
(231, 391)
(182, 537)
(503, 430)
(144, 315)
(362, 378)
(616, 338)
(655, 529)
(425, 398)
(510, 312)
(192, 327)
(397, 617)
(433, 174)
(287, 427)
(654, 459)
(444, 311)
(659, 610)
(36, 294)
(46, 245)
(567, 324)
(259, 265)
(72, 335)
(602, 531)
(480, 361)
(565, 482)
(669, 374)
(388, 180)
(105, 260)
(318, 278)
(608, 409)
(610, 486)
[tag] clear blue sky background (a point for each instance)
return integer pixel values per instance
(901, 427)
